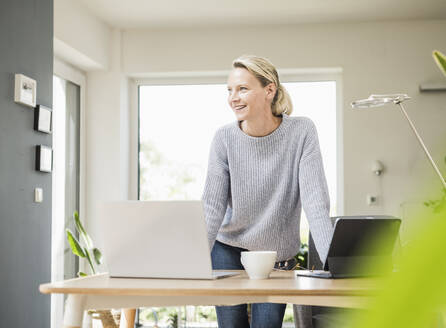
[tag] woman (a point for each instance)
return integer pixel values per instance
(262, 170)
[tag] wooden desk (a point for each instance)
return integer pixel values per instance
(103, 292)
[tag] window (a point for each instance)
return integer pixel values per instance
(177, 123)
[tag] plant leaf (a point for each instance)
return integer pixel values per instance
(81, 274)
(76, 248)
(97, 256)
(88, 256)
(82, 232)
(440, 59)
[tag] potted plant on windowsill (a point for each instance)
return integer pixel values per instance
(93, 255)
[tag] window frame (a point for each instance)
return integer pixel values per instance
(220, 77)
(74, 75)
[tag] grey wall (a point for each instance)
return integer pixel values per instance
(26, 46)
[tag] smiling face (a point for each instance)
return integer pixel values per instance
(247, 97)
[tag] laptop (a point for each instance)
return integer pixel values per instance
(353, 246)
(156, 239)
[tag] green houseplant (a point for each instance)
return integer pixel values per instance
(92, 254)
(440, 59)
(85, 249)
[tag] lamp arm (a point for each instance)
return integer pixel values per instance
(422, 145)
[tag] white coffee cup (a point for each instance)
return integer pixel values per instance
(258, 264)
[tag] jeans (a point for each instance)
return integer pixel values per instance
(263, 315)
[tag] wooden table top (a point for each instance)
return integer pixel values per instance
(280, 283)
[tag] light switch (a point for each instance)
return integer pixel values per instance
(38, 195)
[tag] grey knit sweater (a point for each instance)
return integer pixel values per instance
(256, 186)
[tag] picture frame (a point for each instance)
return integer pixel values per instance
(25, 90)
(44, 158)
(43, 119)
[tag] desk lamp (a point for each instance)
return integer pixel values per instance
(397, 99)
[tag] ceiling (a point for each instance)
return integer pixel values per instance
(128, 14)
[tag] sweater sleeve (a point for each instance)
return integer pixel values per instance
(216, 189)
(314, 193)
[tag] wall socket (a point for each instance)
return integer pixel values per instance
(38, 195)
(372, 200)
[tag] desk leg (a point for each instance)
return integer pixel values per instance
(74, 310)
(127, 318)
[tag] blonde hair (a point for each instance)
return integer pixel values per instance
(266, 73)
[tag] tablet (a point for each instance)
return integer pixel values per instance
(358, 240)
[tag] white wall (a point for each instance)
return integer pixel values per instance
(108, 133)
(375, 57)
(79, 37)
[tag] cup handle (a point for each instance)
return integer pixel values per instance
(241, 260)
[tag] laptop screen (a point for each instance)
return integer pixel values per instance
(358, 238)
